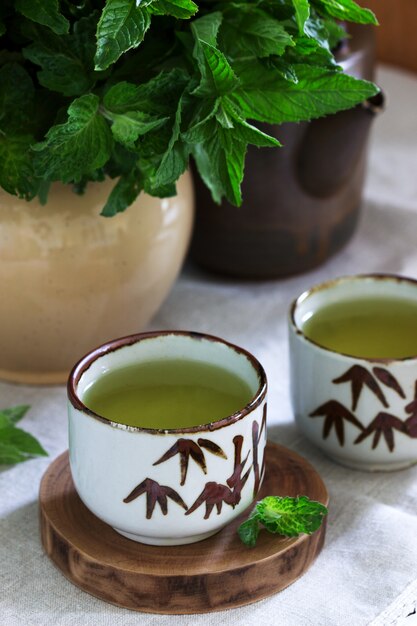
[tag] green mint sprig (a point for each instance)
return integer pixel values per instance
(16, 445)
(134, 89)
(283, 516)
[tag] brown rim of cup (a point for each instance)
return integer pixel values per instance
(392, 278)
(111, 346)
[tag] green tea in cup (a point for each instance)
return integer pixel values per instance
(375, 327)
(166, 394)
(353, 361)
(167, 433)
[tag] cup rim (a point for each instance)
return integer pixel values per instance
(377, 276)
(88, 359)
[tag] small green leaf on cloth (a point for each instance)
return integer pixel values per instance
(16, 445)
(15, 413)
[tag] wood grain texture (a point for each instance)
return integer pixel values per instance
(396, 38)
(215, 574)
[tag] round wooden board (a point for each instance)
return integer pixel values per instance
(215, 574)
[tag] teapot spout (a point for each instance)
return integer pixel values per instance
(333, 146)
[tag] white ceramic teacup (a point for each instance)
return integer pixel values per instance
(124, 475)
(361, 412)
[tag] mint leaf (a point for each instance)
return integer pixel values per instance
(17, 174)
(127, 127)
(248, 531)
(123, 194)
(175, 160)
(302, 13)
(283, 516)
(16, 99)
(157, 96)
(17, 445)
(44, 12)
(218, 144)
(43, 191)
(78, 147)
(66, 60)
(313, 47)
(254, 32)
(199, 128)
(291, 516)
(320, 32)
(346, 10)
(121, 162)
(217, 76)
(250, 134)
(25, 442)
(220, 158)
(123, 107)
(4, 420)
(155, 149)
(335, 32)
(174, 163)
(122, 26)
(15, 413)
(10, 454)
(132, 88)
(242, 129)
(284, 68)
(206, 28)
(267, 97)
(162, 155)
(182, 9)
(123, 97)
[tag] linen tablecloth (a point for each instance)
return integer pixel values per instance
(367, 572)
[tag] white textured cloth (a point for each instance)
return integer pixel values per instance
(367, 571)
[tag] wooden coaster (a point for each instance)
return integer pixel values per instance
(211, 575)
